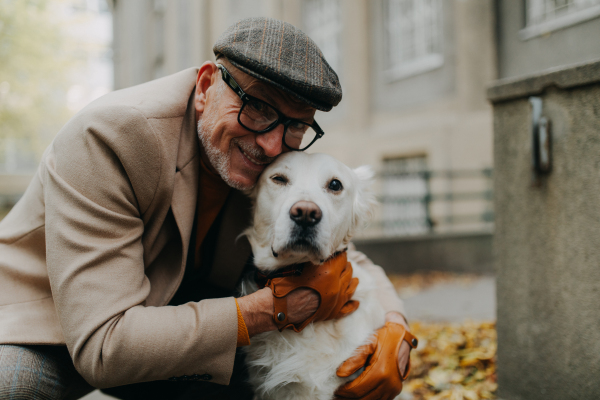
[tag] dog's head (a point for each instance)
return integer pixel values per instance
(307, 207)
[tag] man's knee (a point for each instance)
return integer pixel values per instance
(37, 372)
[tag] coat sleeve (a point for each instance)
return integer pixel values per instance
(387, 293)
(94, 253)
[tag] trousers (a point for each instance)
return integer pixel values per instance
(39, 372)
(47, 373)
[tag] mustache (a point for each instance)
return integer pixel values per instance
(257, 153)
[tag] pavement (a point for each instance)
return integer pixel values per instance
(450, 300)
(454, 301)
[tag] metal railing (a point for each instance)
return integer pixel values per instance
(426, 202)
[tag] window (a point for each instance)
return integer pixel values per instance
(323, 23)
(544, 16)
(405, 194)
(413, 36)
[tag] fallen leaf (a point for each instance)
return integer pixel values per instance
(453, 362)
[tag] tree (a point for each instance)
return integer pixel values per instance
(35, 62)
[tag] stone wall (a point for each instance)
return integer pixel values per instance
(518, 56)
(547, 238)
(456, 252)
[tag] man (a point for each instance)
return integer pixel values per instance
(124, 245)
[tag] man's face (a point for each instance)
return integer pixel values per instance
(238, 155)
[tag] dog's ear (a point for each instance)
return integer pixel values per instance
(364, 202)
(365, 173)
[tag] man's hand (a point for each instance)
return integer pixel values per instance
(257, 308)
(332, 280)
(383, 359)
(302, 303)
(322, 292)
(405, 349)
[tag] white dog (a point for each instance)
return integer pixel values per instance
(290, 365)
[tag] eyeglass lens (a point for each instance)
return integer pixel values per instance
(258, 116)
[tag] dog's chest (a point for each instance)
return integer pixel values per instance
(302, 365)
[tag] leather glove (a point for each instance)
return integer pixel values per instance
(381, 378)
(332, 280)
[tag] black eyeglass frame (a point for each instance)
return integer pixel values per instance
(281, 118)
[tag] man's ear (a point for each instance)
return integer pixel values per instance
(207, 76)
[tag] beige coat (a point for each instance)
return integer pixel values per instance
(95, 249)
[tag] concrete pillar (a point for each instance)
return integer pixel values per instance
(547, 238)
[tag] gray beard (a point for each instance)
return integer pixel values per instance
(220, 161)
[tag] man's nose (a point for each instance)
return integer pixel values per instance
(305, 213)
(271, 142)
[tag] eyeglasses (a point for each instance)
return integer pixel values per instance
(260, 117)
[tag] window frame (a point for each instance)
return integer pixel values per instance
(536, 29)
(421, 63)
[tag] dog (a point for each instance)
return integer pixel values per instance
(287, 364)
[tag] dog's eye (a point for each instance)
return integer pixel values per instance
(279, 179)
(335, 185)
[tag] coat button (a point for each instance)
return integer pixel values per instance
(205, 377)
(415, 342)
(280, 316)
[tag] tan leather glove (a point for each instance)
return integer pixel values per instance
(381, 378)
(332, 280)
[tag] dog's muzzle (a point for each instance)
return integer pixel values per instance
(306, 216)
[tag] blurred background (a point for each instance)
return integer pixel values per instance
(421, 81)
(55, 57)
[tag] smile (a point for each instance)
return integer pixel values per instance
(252, 160)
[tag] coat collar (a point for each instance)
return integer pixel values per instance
(185, 186)
(188, 139)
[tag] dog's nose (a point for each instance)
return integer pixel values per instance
(306, 213)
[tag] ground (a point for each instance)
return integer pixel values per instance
(454, 318)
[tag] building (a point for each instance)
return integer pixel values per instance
(414, 74)
(537, 35)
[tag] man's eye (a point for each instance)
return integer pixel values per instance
(335, 185)
(258, 106)
(279, 179)
(298, 127)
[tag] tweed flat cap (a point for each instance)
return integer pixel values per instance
(282, 55)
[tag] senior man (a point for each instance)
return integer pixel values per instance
(124, 247)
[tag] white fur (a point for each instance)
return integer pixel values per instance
(290, 365)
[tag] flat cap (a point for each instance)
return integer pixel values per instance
(282, 55)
